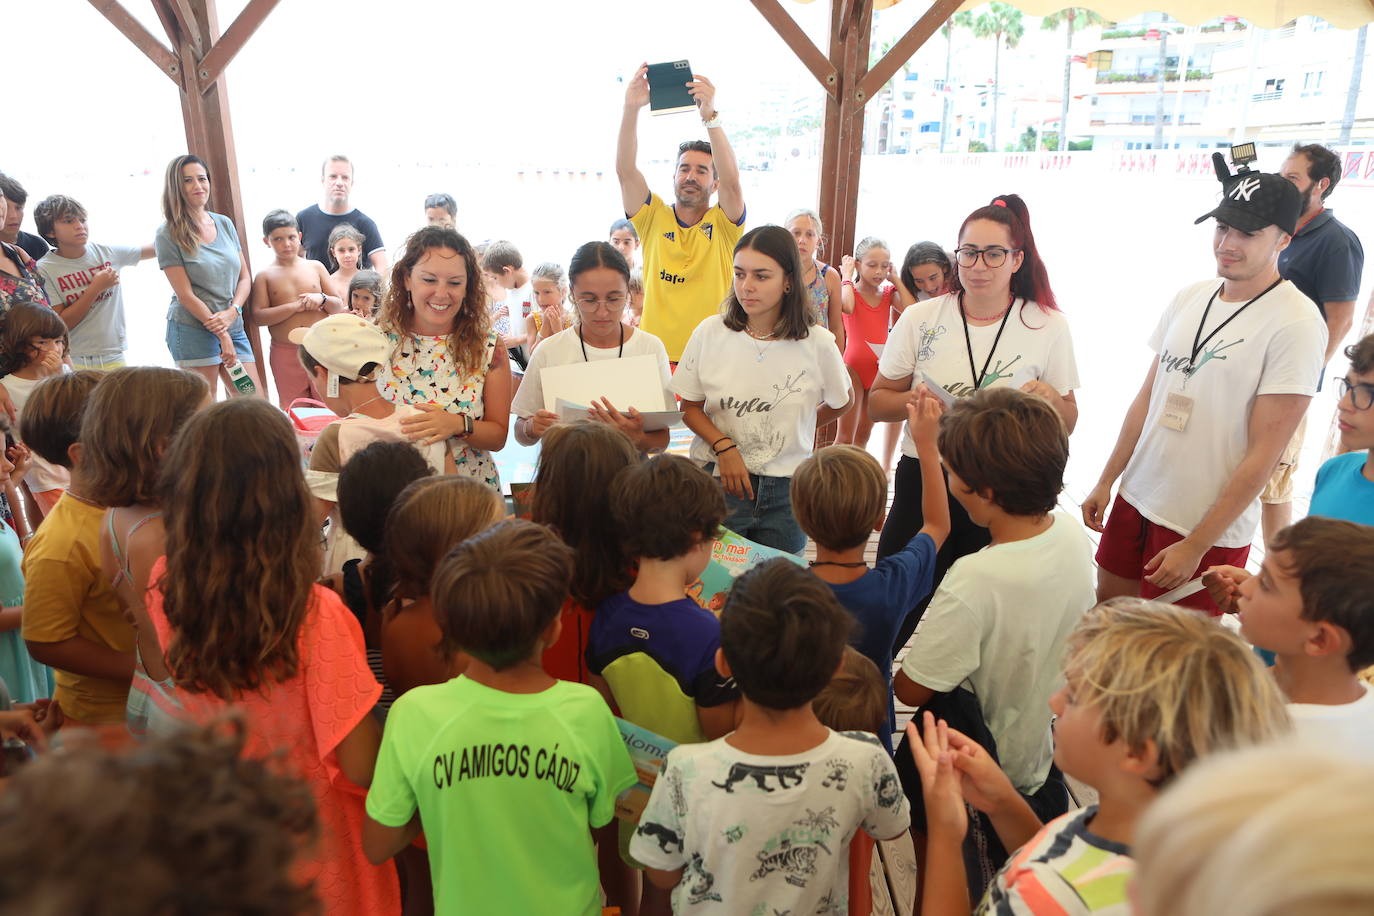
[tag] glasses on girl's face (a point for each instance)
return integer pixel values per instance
(1361, 395)
(993, 255)
(613, 303)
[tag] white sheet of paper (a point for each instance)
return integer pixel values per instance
(653, 420)
(937, 389)
(1191, 587)
(632, 381)
(877, 349)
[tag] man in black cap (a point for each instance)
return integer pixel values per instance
(1237, 362)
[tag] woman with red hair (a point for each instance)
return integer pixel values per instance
(1000, 325)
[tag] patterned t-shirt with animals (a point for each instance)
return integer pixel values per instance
(768, 834)
(929, 338)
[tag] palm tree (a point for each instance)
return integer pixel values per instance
(1002, 23)
(1071, 18)
(962, 20)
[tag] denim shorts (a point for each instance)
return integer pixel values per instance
(767, 518)
(191, 345)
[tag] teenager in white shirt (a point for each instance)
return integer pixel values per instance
(754, 382)
(1000, 326)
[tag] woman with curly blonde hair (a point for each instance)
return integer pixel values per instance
(444, 358)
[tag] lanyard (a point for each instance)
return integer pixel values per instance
(968, 342)
(583, 342)
(1198, 345)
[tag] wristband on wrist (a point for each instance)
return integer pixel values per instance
(718, 442)
(726, 449)
(713, 123)
(846, 282)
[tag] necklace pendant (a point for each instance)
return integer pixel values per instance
(759, 358)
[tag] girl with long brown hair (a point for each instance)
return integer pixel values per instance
(444, 358)
(242, 623)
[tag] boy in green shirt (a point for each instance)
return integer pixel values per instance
(504, 767)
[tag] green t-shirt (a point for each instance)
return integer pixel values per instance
(507, 786)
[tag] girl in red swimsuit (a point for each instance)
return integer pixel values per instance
(866, 298)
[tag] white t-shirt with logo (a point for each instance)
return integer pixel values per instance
(763, 394)
(565, 349)
(1347, 727)
(997, 626)
(929, 338)
(1276, 346)
(101, 332)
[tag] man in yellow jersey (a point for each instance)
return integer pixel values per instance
(688, 248)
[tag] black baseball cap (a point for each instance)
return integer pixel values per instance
(1252, 200)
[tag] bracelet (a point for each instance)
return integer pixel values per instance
(726, 449)
(846, 282)
(718, 442)
(323, 300)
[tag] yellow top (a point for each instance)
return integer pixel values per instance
(66, 595)
(687, 270)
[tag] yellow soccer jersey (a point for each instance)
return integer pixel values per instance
(687, 270)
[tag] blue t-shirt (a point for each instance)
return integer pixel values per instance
(1343, 491)
(660, 663)
(880, 600)
(1324, 260)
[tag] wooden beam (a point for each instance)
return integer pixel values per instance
(228, 45)
(908, 45)
(141, 38)
(802, 46)
(175, 35)
(848, 8)
(842, 144)
(186, 21)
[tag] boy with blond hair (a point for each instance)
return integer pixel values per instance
(1149, 688)
(839, 495)
(290, 293)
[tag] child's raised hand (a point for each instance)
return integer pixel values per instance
(1223, 584)
(847, 267)
(50, 363)
(935, 761)
(541, 421)
(20, 457)
(923, 412)
(982, 781)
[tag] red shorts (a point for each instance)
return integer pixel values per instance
(1130, 540)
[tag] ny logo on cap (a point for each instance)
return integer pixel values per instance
(1244, 188)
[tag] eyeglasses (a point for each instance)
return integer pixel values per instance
(1361, 395)
(613, 303)
(993, 256)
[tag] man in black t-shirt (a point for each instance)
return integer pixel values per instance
(318, 220)
(1324, 260)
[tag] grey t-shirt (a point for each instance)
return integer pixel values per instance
(101, 332)
(213, 269)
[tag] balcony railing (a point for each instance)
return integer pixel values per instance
(1142, 76)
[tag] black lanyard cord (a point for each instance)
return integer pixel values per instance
(583, 342)
(968, 342)
(1199, 341)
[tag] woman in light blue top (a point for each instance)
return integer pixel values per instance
(200, 253)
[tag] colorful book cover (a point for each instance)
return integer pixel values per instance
(648, 751)
(731, 557)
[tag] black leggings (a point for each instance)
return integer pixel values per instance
(906, 518)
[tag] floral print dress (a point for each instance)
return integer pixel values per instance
(26, 287)
(422, 372)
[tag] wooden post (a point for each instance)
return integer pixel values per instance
(849, 85)
(196, 62)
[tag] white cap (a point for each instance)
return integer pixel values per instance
(343, 345)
